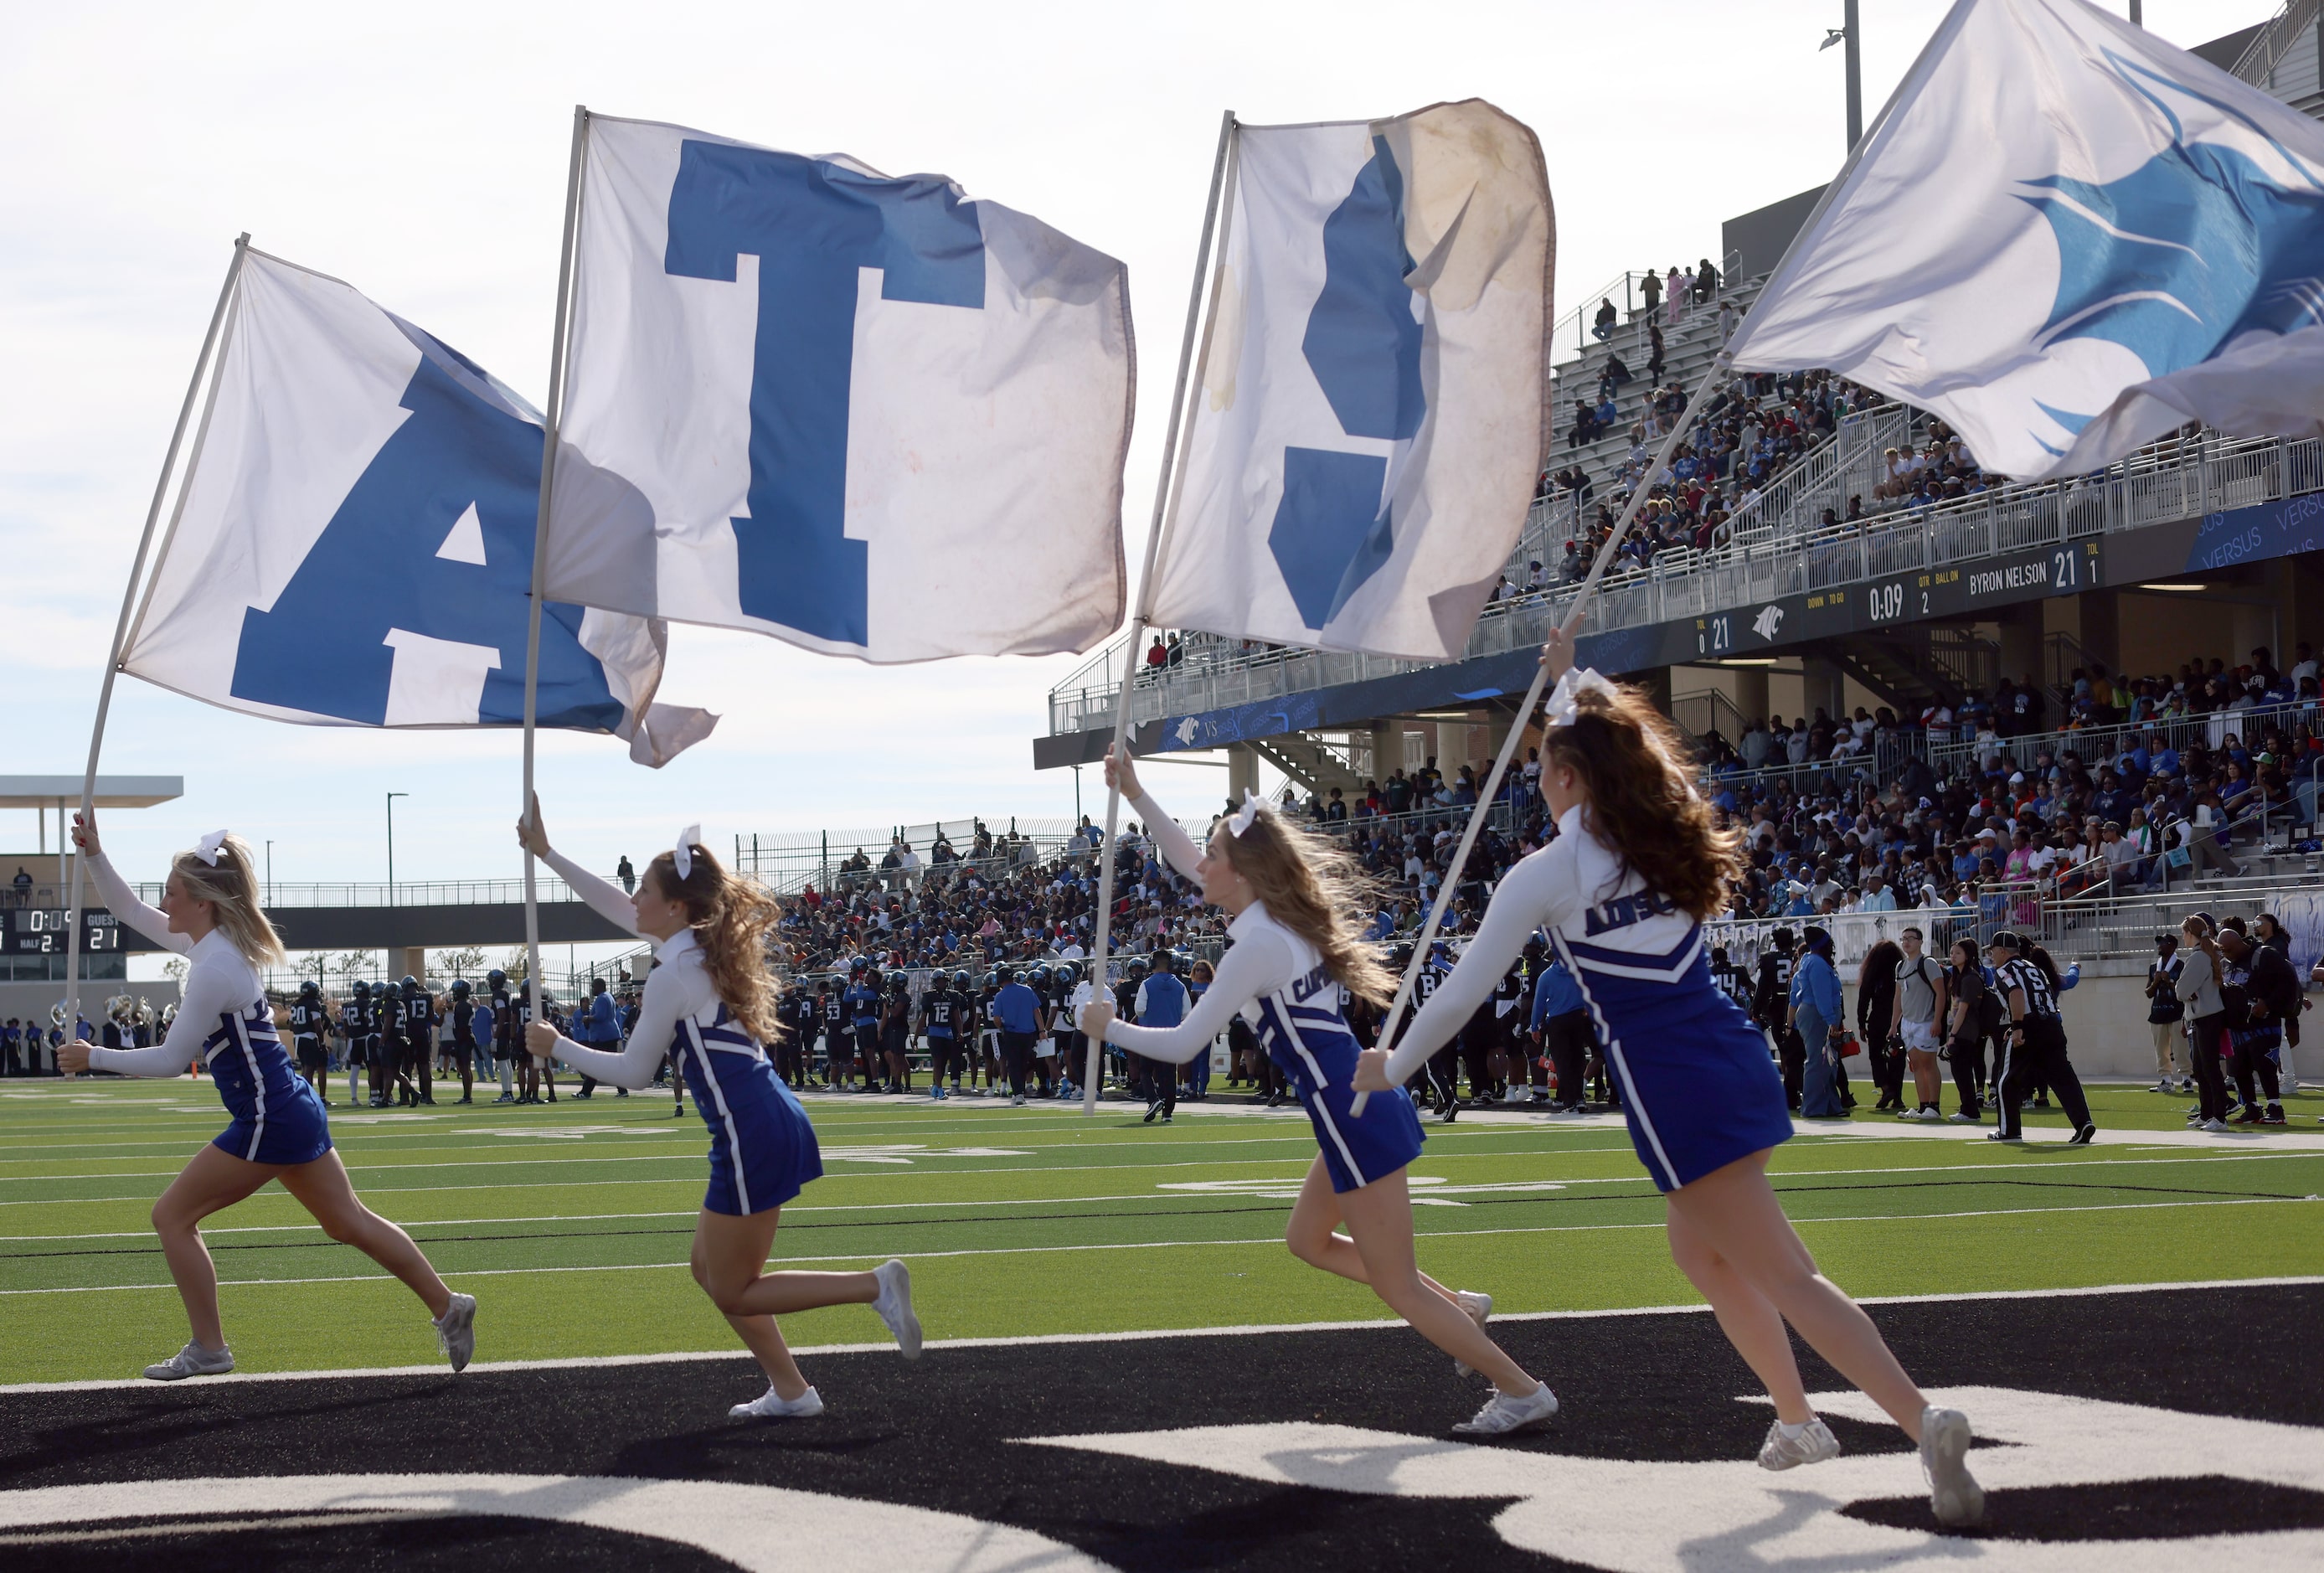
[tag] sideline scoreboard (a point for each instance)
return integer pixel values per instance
(44, 930)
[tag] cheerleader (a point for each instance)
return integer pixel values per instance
(1622, 891)
(1295, 943)
(710, 1001)
(210, 914)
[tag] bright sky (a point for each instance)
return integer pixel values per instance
(419, 152)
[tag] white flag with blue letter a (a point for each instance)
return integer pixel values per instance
(354, 544)
(862, 414)
(2067, 238)
(1372, 410)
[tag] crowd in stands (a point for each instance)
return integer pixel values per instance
(999, 899)
(1866, 812)
(1749, 434)
(1950, 824)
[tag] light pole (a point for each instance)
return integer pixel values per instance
(270, 873)
(1850, 34)
(391, 844)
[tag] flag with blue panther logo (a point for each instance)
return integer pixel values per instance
(861, 414)
(355, 543)
(1372, 407)
(2067, 238)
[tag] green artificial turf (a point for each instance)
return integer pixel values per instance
(570, 1223)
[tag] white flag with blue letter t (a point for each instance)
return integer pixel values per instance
(2067, 238)
(355, 543)
(861, 413)
(1371, 414)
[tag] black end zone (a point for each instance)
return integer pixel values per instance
(947, 1433)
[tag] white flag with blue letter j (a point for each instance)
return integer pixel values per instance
(861, 413)
(355, 542)
(1371, 416)
(2067, 238)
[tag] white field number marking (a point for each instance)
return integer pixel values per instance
(1638, 1516)
(911, 1151)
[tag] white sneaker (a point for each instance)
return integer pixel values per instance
(1954, 1496)
(771, 1405)
(2217, 1127)
(1813, 1445)
(455, 1330)
(193, 1360)
(1958, 1118)
(1479, 1308)
(894, 1306)
(1503, 1413)
(1017, 1102)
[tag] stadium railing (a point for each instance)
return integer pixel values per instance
(403, 893)
(2104, 745)
(2173, 480)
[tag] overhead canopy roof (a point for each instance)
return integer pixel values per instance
(113, 791)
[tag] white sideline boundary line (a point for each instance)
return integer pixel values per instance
(588, 1362)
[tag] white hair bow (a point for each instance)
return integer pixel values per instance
(210, 846)
(1246, 816)
(682, 855)
(1577, 681)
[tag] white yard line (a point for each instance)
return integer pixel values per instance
(1175, 1245)
(2011, 1169)
(1245, 1329)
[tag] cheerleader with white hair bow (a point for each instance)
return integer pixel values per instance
(1296, 943)
(1637, 866)
(210, 915)
(709, 1002)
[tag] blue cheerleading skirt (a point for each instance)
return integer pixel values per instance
(1699, 1091)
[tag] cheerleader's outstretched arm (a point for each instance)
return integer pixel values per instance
(605, 897)
(1178, 848)
(123, 903)
(208, 997)
(1521, 902)
(672, 993)
(1257, 966)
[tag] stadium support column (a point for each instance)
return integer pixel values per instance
(2021, 628)
(1388, 749)
(2099, 616)
(1750, 691)
(1243, 771)
(1823, 687)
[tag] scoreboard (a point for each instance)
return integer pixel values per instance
(44, 931)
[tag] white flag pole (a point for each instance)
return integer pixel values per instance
(1517, 723)
(202, 365)
(1721, 364)
(540, 541)
(1166, 516)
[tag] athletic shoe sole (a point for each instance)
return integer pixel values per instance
(1954, 1496)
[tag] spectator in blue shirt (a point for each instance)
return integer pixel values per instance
(597, 1024)
(1820, 1013)
(1017, 1009)
(1161, 1003)
(1562, 1021)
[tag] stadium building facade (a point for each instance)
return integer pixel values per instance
(2201, 543)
